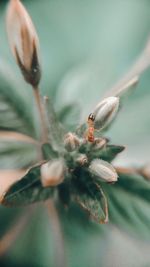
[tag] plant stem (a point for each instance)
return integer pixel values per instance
(124, 170)
(40, 106)
(60, 257)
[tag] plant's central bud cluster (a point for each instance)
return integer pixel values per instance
(70, 164)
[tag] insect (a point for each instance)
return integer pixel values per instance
(90, 131)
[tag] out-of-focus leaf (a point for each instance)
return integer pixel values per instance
(89, 195)
(27, 190)
(129, 201)
(17, 155)
(14, 114)
(64, 193)
(17, 150)
(70, 116)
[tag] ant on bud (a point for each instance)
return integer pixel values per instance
(91, 129)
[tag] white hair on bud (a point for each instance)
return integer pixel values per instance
(105, 112)
(104, 170)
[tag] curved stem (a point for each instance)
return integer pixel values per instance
(40, 106)
(59, 249)
(125, 170)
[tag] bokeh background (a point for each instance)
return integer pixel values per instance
(86, 46)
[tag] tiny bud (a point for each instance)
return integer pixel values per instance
(52, 172)
(71, 142)
(104, 170)
(100, 143)
(105, 112)
(23, 41)
(82, 159)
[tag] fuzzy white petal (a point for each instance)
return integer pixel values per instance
(105, 111)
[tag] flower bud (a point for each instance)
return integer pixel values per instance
(71, 142)
(105, 112)
(100, 143)
(52, 172)
(23, 41)
(104, 170)
(82, 159)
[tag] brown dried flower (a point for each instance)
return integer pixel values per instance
(23, 41)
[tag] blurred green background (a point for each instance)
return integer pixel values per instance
(86, 46)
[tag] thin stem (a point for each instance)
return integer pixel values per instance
(60, 257)
(10, 237)
(124, 170)
(105, 202)
(14, 136)
(40, 106)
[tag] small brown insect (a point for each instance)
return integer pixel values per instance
(90, 131)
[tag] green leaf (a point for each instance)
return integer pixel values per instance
(107, 153)
(64, 193)
(69, 116)
(90, 196)
(129, 204)
(27, 190)
(14, 114)
(15, 154)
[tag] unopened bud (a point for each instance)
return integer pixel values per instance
(71, 142)
(23, 41)
(104, 170)
(82, 159)
(105, 112)
(52, 172)
(100, 143)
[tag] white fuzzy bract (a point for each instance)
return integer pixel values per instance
(104, 170)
